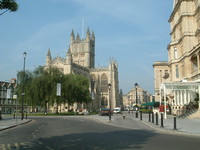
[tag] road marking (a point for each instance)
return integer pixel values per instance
(49, 148)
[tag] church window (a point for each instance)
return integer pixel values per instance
(93, 82)
(104, 83)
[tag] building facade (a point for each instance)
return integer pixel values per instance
(143, 96)
(183, 53)
(7, 101)
(80, 59)
(161, 74)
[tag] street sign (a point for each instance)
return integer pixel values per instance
(58, 93)
(14, 97)
(8, 94)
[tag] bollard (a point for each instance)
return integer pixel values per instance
(140, 115)
(26, 115)
(149, 116)
(123, 116)
(136, 114)
(14, 115)
(156, 118)
(175, 122)
(162, 120)
(152, 117)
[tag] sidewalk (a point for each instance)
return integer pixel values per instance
(184, 126)
(8, 122)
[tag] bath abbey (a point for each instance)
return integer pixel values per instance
(80, 59)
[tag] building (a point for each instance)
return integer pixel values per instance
(80, 59)
(183, 57)
(7, 91)
(161, 74)
(143, 96)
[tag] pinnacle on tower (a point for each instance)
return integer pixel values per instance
(69, 51)
(49, 53)
(77, 37)
(72, 34)
(88, 34)
(93, 36)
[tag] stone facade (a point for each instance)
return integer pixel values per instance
(80, 59)
(161, 74)
(143, 96)
(183, 51)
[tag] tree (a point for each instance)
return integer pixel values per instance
(8, 5)
(41, 86)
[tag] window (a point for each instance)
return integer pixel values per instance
(175, 53)
(194, 63)
(177, 72)
(104, 83)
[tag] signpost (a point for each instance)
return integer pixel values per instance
(58, 93)
(15, 98)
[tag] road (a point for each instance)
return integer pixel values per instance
(81, 133)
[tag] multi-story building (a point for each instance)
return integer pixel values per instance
(183, 66)
(143, 96)
(7, 90)
(80, 59)
(161, 74)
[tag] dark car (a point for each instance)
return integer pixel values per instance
(104, 112)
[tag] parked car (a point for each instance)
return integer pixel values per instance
(117, 110)
(104, 112)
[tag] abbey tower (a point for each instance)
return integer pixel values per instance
(80, 59)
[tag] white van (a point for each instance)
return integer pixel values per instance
(117, 110)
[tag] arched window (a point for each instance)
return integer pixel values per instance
(194, 63)
(93, 82)
(175, 53)
(104, 83)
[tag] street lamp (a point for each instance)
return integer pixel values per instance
(136, 87)
(23, 84)
(109, 88)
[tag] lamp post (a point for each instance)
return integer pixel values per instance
(23, 84)
(136, 87)
(109, 88)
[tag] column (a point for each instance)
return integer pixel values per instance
(178, 97)
(181, 98)
(185, 97)
(175, 98)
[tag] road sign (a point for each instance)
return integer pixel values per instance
(58, 93)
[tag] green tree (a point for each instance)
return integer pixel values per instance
(41, 86)
(8, 5)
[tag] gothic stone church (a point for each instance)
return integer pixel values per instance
(80, 59)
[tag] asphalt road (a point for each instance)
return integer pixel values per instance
(80, 133)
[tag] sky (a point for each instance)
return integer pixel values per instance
(133, 32)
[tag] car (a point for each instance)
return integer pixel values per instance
(104, 112)
(117, 110)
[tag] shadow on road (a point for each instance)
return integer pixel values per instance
(129, 139)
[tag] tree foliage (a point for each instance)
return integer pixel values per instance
(41, 86)
(8, 5)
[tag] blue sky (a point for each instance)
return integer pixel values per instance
(134, 32)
